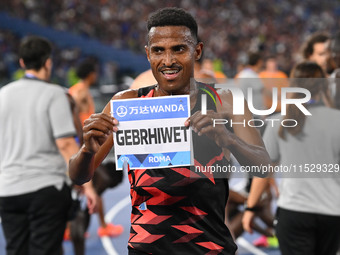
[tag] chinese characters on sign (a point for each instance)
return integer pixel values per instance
(151, 132)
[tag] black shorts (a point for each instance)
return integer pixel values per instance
(34, 223)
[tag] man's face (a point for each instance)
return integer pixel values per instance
(93, 77)
(271, 65)
(172, 52)
(335, 51)
(320, 54)
(48, 67)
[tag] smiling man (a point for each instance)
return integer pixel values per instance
(176, 210)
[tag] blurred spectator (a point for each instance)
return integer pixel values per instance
(308, 214)
(80, 91)
(201, 73)
(272, 77)
(208, 66)
(143, 80)
(249, 78)
(228, 28)
(335, 82)
(316, 49)
(87, 72)
(34, 197)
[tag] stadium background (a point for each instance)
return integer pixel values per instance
(113, 33)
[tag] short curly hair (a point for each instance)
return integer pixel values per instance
(173, 16)
(85, 68)
(34, 51)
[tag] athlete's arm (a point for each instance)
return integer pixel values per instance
(248, 148)
(81, 98)
(258, 186)
(98, 141)
(76, 119)
(92, 197)
(67, 147)
(246, 143)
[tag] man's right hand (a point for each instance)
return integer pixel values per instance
(97, 129)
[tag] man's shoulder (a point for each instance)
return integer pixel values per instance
(248, 73)
(13, 86)
(7, 86)
(54, 87)
(76, 87)
(134, 93)
(125, 94)
(225, 94)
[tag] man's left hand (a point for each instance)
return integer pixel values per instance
(204, 125)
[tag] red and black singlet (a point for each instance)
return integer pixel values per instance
(177, 210)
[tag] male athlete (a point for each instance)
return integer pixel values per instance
(183, 215)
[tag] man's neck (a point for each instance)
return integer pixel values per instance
(187, 90)
(86, 83)
(41, 74)
(253, 68)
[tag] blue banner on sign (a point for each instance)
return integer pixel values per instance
(150, 108)
(155, 160)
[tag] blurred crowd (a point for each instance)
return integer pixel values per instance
(64, 61)
(229, 29)
(238, 37)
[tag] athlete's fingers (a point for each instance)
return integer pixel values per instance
(101, 117)
(104, 127)
(197, 117)
(203, 122)
(104, 116)
(101, 121)
(187, 122)
(206, 130)
(93, 139)
(200, 121)
(93, 133)
(219, 135)
(97, 129)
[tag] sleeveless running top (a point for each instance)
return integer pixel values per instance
(177, 210)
